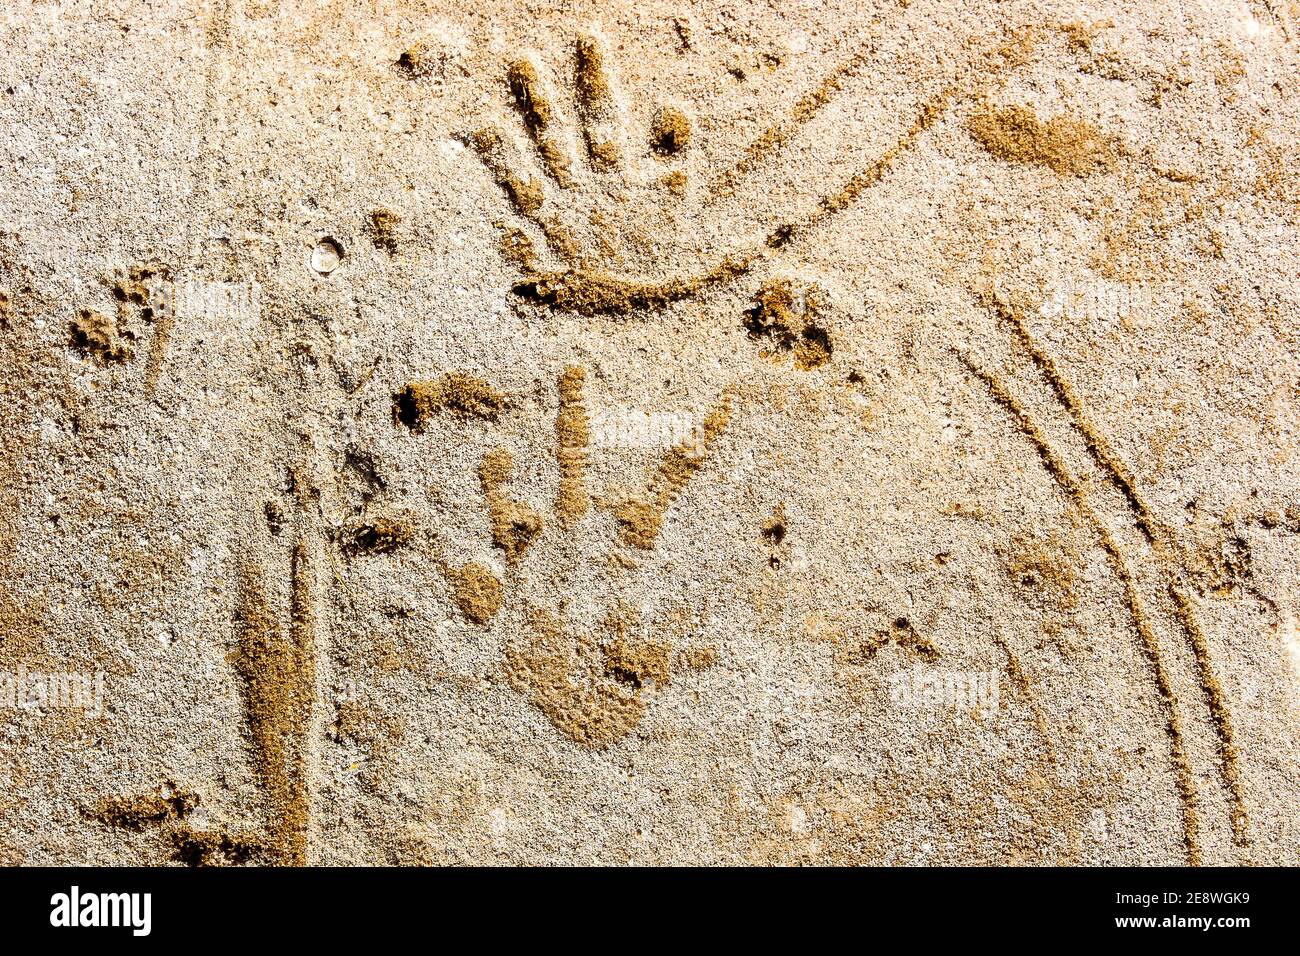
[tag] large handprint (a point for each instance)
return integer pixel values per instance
(590, 678)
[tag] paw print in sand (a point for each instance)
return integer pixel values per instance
(592, 682)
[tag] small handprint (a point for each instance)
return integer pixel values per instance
(605, 201)
(629, 185)
(605, 168)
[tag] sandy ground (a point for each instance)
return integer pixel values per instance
(658, 432)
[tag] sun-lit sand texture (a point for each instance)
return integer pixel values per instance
(661, 432)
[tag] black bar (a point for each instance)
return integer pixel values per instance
(369, 906)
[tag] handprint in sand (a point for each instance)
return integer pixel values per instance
(593, 678)
(605, 200)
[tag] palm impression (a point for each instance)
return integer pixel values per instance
(591, 679)
(602, 199)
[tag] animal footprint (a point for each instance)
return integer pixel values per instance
(143, 298)
(591, 683)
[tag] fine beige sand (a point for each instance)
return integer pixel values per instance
(649, 432)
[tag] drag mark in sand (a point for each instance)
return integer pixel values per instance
(1150, 645)
(1163, 545)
